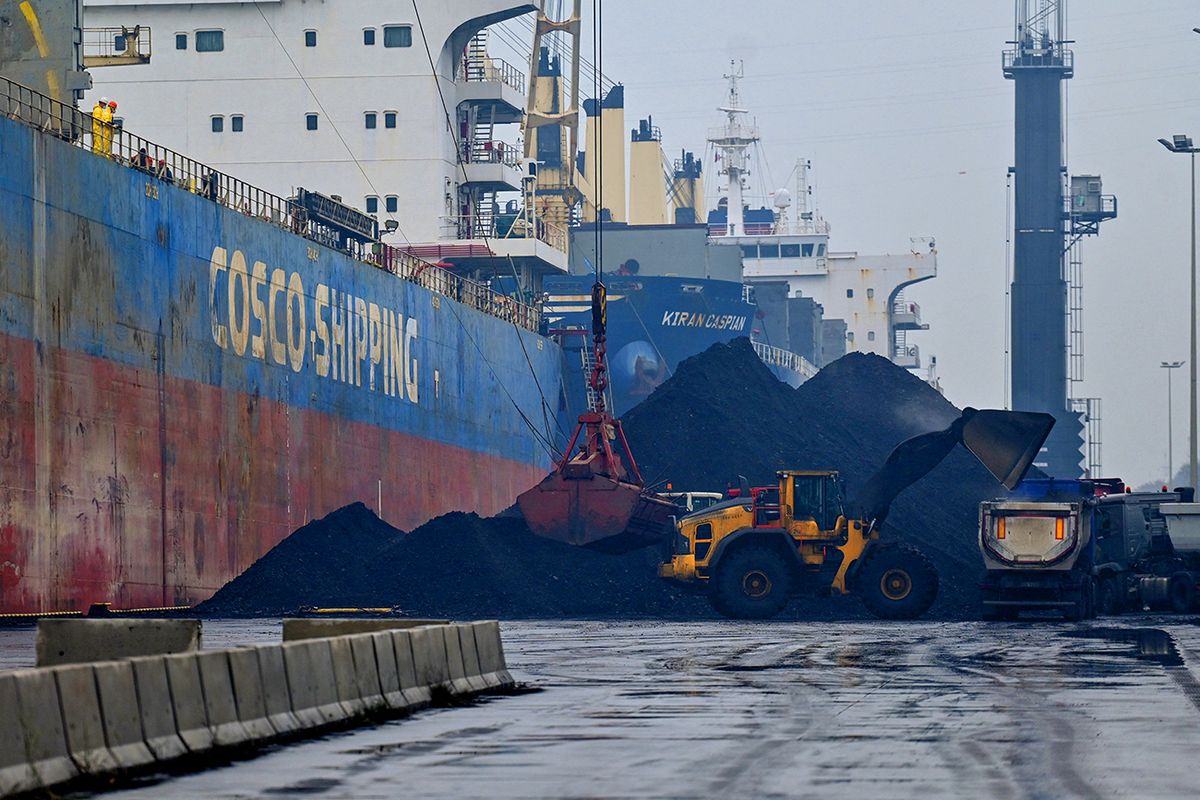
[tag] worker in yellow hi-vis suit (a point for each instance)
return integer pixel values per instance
(99, 112)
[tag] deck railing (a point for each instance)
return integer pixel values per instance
(777, 356)
(21, 103)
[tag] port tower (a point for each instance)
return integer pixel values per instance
(1051, 215)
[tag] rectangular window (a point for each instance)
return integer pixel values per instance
(749, 251)
(218, 124)
(393, 203)
(372, 205)
(181, 41)
(870, 294)
(789, 250)
(237, 123)
(397, 36)
(820, 250)
(870, 336)
(389, 119)
(371, 120)
(119, 43)
(310, 121)
(310, 38)
(768, 251)
(210, 41)
(368, 36)
(849, 293)
(806, 250)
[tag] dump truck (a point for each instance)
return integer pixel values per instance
(1100, 549)
(1040, 550)
(752, 552)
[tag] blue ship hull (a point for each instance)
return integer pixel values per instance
(654, 323)
(182, 385)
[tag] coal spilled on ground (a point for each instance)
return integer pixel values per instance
(722, 414)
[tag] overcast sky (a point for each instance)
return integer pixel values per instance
(904, 112)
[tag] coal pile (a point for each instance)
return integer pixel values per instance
(724, 414)
(456, 566)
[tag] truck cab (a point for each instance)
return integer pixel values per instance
(691, 502)
(1039, 548)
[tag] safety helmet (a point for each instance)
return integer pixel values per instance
(103, 101)
(112, 104)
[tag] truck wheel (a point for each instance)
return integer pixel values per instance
(752, 583)
(1181, 593)
(1084, 606)
(1110, 597)
(897, 582)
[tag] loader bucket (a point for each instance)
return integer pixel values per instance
(596, 512)
(1006, 442)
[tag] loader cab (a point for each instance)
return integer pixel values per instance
(812, 497)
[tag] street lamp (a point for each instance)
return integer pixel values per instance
(1170, 367)
(1183, 144)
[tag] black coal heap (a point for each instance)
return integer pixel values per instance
(722, 414)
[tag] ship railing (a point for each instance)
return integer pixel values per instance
(24, 104)
(441, 281)
(778, 357)
(489, 70)
(505, 225)
(491, 152)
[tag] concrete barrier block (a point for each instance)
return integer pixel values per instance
(311, 683)
(429, 657)
(218, 699)
(299, 628)
(80, 705)
(491, 654)
(454, 660)
(389, 676)
(415, 692)
(343, 675)
(121, 715)
(78, 641)
(366, 671)
(187, 700)
(248, 693)
(156, 708)
(470, 657)
(276, 697)
(33, 744)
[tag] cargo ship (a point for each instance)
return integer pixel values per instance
(192, 366)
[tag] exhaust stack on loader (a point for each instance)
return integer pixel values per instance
(595, 498)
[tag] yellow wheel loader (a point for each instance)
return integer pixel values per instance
(754, 550)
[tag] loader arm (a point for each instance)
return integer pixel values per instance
(1005, 442)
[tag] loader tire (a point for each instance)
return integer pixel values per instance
(1181, 593)
(897, 582)
(752, 583)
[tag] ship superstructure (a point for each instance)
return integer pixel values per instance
(396, 107)
(786, 257)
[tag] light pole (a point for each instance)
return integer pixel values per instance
(1170, 367)
(1183, 144)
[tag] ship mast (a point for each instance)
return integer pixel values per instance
(733, 143)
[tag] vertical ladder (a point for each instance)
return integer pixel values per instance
(1074, 314)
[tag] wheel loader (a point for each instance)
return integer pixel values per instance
(753, 551)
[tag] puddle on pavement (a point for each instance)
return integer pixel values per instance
(1148, 644)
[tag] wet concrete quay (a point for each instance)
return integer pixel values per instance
(831, 710)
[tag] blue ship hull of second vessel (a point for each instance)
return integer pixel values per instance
(654, 323)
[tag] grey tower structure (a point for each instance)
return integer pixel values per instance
(1045, 229)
